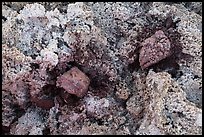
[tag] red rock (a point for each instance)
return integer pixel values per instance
(74, 82)
(154, 49)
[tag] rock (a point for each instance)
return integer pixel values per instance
(194, 6)
(30, 123)
(40, 41)
(49, 57)
(74, 82)
(97, 107)
(154, 49)
(135, 106)
(167, 109)
(8, 112)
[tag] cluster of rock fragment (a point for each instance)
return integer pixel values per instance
(153, 50)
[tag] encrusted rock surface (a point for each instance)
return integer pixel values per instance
(154, 49)
(167, 110)
(128, 68)
(74, 82)
(31, 123)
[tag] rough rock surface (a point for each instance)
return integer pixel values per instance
(31, 123)
(74, 82)
(168, 111)
(127, 87)
(154, 49)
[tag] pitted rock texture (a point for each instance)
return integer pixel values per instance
(87, 68)
(154, 49)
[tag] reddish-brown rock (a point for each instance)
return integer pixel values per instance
(74, 82)
(154, 49)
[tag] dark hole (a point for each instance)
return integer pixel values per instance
(34, 65)
(18, 111)
(75, 64)
(100, 85)
(44, 41)
(62, 10)
(4, 18)
(100, 122)
(18, 21)
(180, 114)
(100, 92)
(95, 120)
(111, 42)
(25, 52)
(65, 43)
(46, 131)
(196, 76)
(178, 74)
(51, 90)
(169, 65)
(71, 100)
(8, 4)
(98, 80)
(167, 123)
(55, 72)
(131, 24)
(33, 56)
(95, 83)
(78, 110)
(56, 52)
(5, 130)
(89, 26)
(61, 28)
(134, 66)
(58, 124)
(60, 43)
(121, 102)
(169, 23)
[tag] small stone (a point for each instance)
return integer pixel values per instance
(74, 82)
(154, 49)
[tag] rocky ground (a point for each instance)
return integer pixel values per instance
(130, 68)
